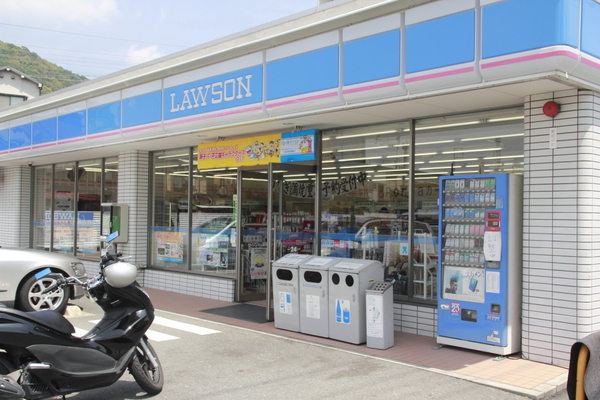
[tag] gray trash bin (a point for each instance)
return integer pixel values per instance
(314, 295)
(286, 305)
(348, 281)
(380, 315)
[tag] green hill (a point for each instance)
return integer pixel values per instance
(50, 75)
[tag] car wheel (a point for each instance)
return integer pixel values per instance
(31, 298)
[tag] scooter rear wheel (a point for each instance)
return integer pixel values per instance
(150, 378)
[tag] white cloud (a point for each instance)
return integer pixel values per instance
(138, 55)
(80, 11)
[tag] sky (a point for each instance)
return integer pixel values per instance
(98, 37)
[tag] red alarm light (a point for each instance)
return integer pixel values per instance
(550, 109)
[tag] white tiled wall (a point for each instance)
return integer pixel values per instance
(15, 205)
(195, 285)
(419, 320)
(561, 216)
(133, 191)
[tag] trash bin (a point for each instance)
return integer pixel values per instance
(348, 281)
(314, 295)
(286, 310)
(380, 315)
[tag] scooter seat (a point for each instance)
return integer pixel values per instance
(48, 318)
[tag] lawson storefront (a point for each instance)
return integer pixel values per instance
(332, 135)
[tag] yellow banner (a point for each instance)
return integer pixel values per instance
(259, 150)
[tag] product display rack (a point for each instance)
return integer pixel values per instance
(465, 202)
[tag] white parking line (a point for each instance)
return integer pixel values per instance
(182, 326)
(161, 337)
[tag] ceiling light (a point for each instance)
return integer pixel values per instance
(384, 179)
(353, 172)
(366, 134)
(491, 137)
(220, 177)
(166, 166)
(174, 155)
(471, 150)
(506, 119)
(363, 148)
(402, 163)
(441, 167)
(452, 160)
(360, 159)
(398, 155)
(389, 176)
(356, 166)
(422, 128)
(436, 142)
(496, 157)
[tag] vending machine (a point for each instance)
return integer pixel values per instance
(480, 260)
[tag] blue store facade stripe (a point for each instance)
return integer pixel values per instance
(304, 73)
(441, 42)
(372, 58)
(142, 109)
(520, 25)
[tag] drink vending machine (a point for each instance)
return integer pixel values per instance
(480, 260)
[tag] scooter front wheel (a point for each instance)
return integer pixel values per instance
(146, 369)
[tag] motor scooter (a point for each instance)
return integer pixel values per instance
(40, 357)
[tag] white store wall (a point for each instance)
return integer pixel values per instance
(561, 268)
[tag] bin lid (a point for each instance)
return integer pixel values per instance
(379, 287)
(319, 263)
(292, 260)
(354, 265)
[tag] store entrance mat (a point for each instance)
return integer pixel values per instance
(245, 312)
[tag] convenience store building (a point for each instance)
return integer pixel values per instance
(345, 116)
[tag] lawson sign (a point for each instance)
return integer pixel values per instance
(234, 89)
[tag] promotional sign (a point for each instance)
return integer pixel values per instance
(260, 150)
(169, 246)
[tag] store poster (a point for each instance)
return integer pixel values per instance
(212, 250)
(259, 150)
(464, 284)
(88, 230)
(169, 246)
(258, 263)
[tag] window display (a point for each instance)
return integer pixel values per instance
(371, 221)
(66, 205)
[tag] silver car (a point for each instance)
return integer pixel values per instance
(20, 288)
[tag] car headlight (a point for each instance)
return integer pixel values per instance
(78, 268)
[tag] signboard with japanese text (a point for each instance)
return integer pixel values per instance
(260, 150)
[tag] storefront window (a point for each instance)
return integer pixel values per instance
(42, 207)
(365, 196)
(89, 186)
(192, 230)
(366, 204)
(57, 216)
(64, 208)
(170, 223)
(213, 220)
